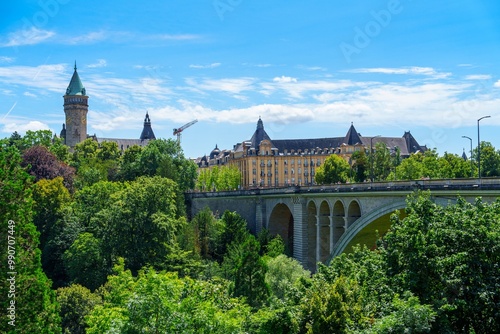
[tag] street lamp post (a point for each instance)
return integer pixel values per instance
(371, 157)
(471, 165)
(479, 149)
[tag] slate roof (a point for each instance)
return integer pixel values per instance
(147, 131)
(123, 144)
(259, 135)
(352, 137)
(407, 144)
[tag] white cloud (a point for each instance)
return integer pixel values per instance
(213, 65)
(100, 63)
(312, 68)
(284, 79)
(412, 70)
(7, 59)
(22, 128)
(43, 77)
(29, 94)
(88, 38)
(28, 37)
(478, 77)
(497, 84)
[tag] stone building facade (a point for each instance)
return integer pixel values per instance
(266, 162)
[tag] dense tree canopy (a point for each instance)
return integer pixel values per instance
(33, 301)
(334, 170)
(126, 259)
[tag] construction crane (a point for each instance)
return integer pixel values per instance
(178, 131)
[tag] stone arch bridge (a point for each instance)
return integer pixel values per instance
(320, 222)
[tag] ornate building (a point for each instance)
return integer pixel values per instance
(264, 162)
(76, 108)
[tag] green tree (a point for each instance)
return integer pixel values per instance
(36, 309)
(380, 162)
(234, 229)
(282, 275)
(76, 303)
(409, 316)
(411, 168)
(51, 197)
(85, 262)
(334, 170)
(332, 307)
(142, 223)
(247, 270)
(92, 199)
(164, 303)
(129, 165)
(490, 160)
(204, 231)
(39, 137)
(453, 166)
(447, 256)
(219, 178)
(361, 166)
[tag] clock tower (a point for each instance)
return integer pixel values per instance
(76, 108)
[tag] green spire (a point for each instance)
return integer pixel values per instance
(75, 85)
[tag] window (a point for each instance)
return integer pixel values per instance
(254, 171)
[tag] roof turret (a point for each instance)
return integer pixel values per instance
(259, 135)
(75, 86)
(352, 137)
(147, 130)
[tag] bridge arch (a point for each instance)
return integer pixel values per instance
(281, 222)
(338, 221)
(353, 213)
(362, 222)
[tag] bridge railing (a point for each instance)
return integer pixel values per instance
(424, 184)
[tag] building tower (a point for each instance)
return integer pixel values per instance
(76, 108)
(147, 130)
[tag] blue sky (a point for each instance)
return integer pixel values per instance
(308, 68)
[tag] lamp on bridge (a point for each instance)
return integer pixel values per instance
(479, 149)
(471, 165)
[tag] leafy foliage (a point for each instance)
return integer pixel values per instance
(163, 303)
(36, 309)
(76, 303)
(219, 178)
(448, 257)
(43, 164)
(335, 169)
